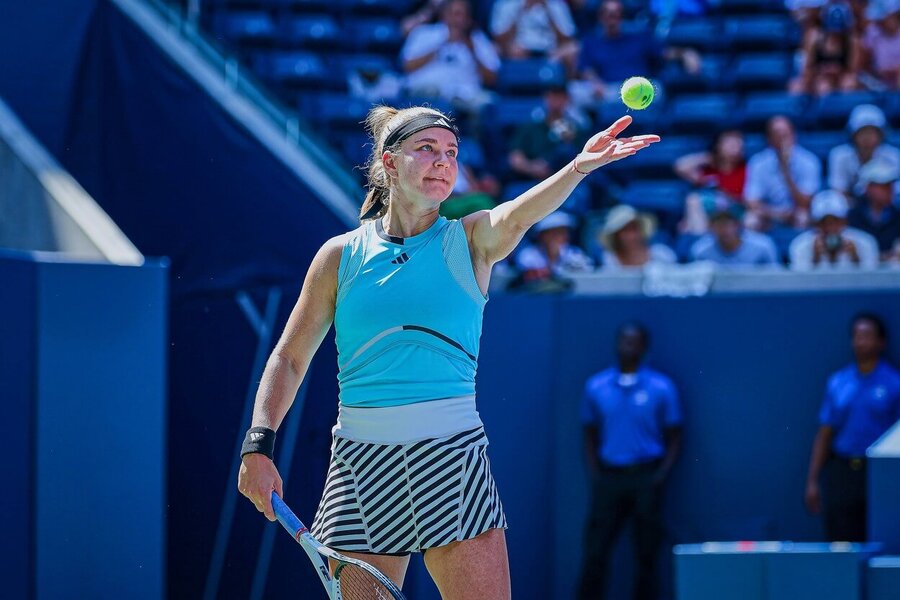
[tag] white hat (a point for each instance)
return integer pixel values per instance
(879, 170)
(554, 220)
(619, 217)
(828, 203)
(866, 115)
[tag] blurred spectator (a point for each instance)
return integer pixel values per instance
(551, 254)
(542, 146)
(427, 13)
(831, 244)
(880, 55)
(625, 239)
(875, 213)
(829, 54)
(632, 421)
(450, 60)
(610, 55)
(373, 84)
(730, 245)
(862, 401)
(720, 173)
(781, 179)
(867, 127)
(528, 28)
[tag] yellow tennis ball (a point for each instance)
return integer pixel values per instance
(637, 93)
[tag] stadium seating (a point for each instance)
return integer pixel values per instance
(757, 108)
(529, 76)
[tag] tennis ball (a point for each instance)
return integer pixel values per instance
(637, 93)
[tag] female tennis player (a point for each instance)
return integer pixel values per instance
(406, 292)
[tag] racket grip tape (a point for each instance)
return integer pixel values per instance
(287, 518)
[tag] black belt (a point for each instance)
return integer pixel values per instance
(635, 468)
(856, 463)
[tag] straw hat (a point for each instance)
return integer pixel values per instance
(619, 217)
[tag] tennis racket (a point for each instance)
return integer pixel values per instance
(353, 579)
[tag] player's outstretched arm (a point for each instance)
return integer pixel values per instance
(310, 320)
(495, 233)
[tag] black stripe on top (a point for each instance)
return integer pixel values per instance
(440, 336)
(379, 229)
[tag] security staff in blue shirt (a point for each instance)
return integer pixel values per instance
(632, 433)
(862, 401)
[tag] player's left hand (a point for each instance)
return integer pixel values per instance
(606, 147)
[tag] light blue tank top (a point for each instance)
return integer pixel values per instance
(408, 316)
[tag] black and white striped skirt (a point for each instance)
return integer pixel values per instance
(402, 498)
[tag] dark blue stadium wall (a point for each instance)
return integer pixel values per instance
(751, 371)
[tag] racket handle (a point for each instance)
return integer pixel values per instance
(287, 518)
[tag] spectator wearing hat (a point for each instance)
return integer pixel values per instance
(552, 254)
(829, 53)
(781, 180)
(867, 127)
(831, 244)
(730, 245)
(876, 213)
(862, 401)
(625, 238)
(880, 47)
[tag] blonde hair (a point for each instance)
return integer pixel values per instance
(380, 122)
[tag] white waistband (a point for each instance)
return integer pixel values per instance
(407, 423)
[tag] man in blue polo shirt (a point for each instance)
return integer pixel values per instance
(632, 432)
(862, 401)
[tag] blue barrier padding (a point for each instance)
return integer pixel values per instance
(883, 581)
(884, 490)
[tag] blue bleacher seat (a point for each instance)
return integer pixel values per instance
(676, 80)
(831, 111)
(293, 69)
(748, 7)
(657, 161)
(395, 8)
(757, 108)
(507, 113)
(753, 143)
(304, 7)
(820, 143)
(339, 112)
(664, 197)
(356, 148)
(310, 31)
(529, 76)
(471, 153)
(703, 33)
(754, 71)
(345, 64)
(765, 32)
(245, 27)
(373, 34)
(705, 112)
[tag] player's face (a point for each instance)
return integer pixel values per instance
(426, 165)
(866, 342)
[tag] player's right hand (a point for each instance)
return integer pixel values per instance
(257, 478)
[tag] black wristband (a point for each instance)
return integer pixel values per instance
(259, 440)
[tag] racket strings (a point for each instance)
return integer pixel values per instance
(355, 583)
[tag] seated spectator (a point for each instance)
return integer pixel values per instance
(427, 13)
(719, 173)
(625, 239)
(875, 213)
(781, 180)
(880, 47)
(552, 254)
(730, 245)
(610, 55)
(828, 54)
(866, 126)
(528, 28)
(450, 60)
(831, 244)
(543, 146)
(374, 85)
